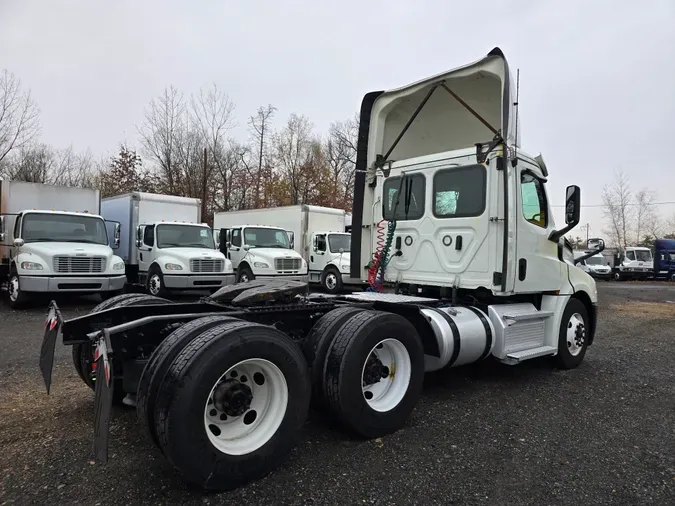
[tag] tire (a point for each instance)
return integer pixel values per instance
(346, 364)
(245, 274)
(15, 296)
(618, 276)
(154, 284)
(317, 344)
(83, 354)
(161, 359)
(570, 353)
(331, 280)
(181, 414)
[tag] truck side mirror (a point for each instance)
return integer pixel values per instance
(572, 212)
(572, 205)
(246, 247)
(116, 236)
(291, 238)
(139, 236)
(18, 242)
(595, 246)
(2, 229)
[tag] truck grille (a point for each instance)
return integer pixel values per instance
(202, 265)
(287, 264)
(64, 264)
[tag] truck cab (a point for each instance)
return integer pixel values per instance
(664, 259)
(180, 256)
(633, 262)
(329, 260)
(595, 265)
(260, 251)
(59, 251)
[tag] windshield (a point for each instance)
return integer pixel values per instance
(44, 227)
(184, 236)
(595, 261)
(643, 256)
(266, 238)
(339, 241)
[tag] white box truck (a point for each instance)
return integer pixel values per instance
(164, 245)
(257, 249)
(318, 235)
(52, 239)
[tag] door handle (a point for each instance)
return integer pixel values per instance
(458, 242)
(522, 269)
(140, 255)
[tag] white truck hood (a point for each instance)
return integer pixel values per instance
(269, 254)
(47, 250)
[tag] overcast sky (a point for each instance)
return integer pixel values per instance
(597, 77)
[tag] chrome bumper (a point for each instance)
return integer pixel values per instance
(72, 284)
(197, 281)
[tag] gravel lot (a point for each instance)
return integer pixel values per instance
(489, 434)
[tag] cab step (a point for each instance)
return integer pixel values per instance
(520, 356)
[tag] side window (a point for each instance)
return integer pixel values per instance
(394, 205)
(17, 225)
(149, 235)
(630, 255)
(460, 192)
(321, 243)
(236, 237)
(533, 199)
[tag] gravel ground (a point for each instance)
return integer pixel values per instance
(489, 434)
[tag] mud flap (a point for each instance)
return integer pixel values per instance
(52, 328)
(104, 396)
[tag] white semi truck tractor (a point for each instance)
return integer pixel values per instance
(53, 240)
(165, 247)
(452, 228)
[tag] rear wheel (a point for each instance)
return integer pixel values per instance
(161, 359)
(317, 344)
(83, 354)
(374, 372)
(231, 405)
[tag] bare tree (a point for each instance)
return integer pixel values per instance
(645, 215)
(161, 133)
(19, 115)
(340, 151)
(616, 201)
(293, 149)
(259, 126)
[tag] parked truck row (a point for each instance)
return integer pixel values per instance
(452, 229)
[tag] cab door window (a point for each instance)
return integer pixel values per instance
(533, 199)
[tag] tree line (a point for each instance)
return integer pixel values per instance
(186, 148)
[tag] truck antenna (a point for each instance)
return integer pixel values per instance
(514, 162)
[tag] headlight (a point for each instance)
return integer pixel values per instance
(261, 265)
(119, 266)
(31, 266)
(173, 267)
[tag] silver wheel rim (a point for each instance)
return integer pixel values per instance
(246, 406)
(576, 334)
(385, 376)
(331, 281)
(13, 288)
(155, 284)
(243, 278)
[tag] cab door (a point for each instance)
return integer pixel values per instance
(537, 266)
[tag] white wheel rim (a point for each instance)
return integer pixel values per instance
(13, 288)
(155, 284)
(331, 281)
(240, 434)
(576, 334)
(385, 393)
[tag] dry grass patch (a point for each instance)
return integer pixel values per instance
(639, 309)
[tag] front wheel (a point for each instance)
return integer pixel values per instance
(231, 406)
(15, 296)
(331, 280)
(244, 274)
(572, 338)
(155, 283)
